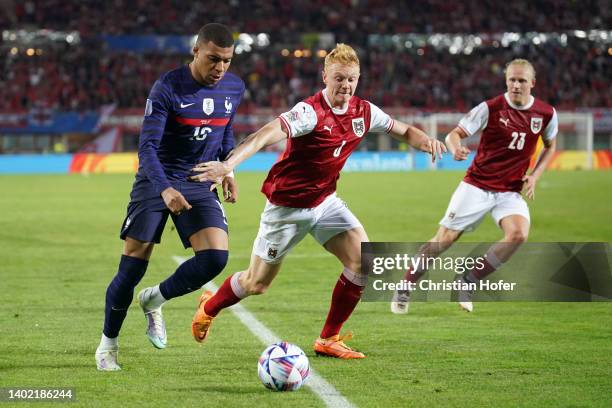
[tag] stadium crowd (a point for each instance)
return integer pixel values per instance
(86, 76)
(350, 20)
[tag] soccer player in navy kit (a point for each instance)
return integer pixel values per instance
(188, 120)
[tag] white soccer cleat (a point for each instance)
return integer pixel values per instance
(400, 303)
(467, 306)
(465, 296)
(156, 327)
(106, 360)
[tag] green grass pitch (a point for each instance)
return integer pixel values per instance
(59, 248)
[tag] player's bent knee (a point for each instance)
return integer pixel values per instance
(444, 238)
(516, 236)
(210, 263)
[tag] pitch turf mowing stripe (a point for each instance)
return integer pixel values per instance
(324, 390)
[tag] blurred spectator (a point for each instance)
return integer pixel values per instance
(349, 19)
(87, 76)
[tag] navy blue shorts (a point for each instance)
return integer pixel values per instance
(146, 219)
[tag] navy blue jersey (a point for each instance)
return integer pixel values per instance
(185, 123)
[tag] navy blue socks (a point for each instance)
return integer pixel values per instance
(120, 292)
(194, 273)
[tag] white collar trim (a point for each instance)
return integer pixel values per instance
(528, 106)
(335, 110)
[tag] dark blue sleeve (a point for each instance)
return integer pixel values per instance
(156, 113)
(229, 143)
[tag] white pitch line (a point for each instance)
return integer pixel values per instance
(324, 390)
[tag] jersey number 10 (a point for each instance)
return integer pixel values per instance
(200, 133)
(518, 141)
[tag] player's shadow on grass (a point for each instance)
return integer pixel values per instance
(225, 389)
(41, 366)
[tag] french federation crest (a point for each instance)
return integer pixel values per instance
(208, 105)
(358, 127)
(536, 125)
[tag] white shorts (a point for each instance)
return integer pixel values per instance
(469, 205)
(281, 228)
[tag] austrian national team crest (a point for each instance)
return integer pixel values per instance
(536, 125)
(358, 127)
(208, 106)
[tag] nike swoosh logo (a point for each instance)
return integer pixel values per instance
(186, 105)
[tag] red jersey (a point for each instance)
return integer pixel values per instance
(508, 141)
(321, 138)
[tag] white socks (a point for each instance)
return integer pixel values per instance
(152, 298)
(107, 344)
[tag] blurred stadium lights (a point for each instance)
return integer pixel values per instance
(247, 42)
(467, 43)
(35, 37)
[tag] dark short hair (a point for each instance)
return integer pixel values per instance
(219, 34)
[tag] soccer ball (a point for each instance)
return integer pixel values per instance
(283, 367)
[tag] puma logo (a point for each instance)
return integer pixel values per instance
(328, 128)
(504, 121)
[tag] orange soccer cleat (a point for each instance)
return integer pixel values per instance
(200, 325)
(334, 347)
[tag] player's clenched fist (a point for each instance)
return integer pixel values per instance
(461, 153)
(175, 201)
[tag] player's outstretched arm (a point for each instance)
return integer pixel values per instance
(269, 134)
(453, 143)
(418, 139)
(530, 180)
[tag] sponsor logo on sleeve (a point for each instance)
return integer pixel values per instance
(149, 107)
(292, 116)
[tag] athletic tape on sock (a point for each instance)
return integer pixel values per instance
(237, 287)
(355, 278)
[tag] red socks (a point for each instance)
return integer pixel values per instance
(477, 274)
(225, 297)
(345, 297)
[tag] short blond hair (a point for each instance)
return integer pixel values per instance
(344, 54)
(523, 62)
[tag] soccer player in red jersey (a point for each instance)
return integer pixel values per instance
(321, 133)
(511, 125)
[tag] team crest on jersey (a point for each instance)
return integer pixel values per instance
(358, 127)
(536, 124)
(228, 106)
(208, 106)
